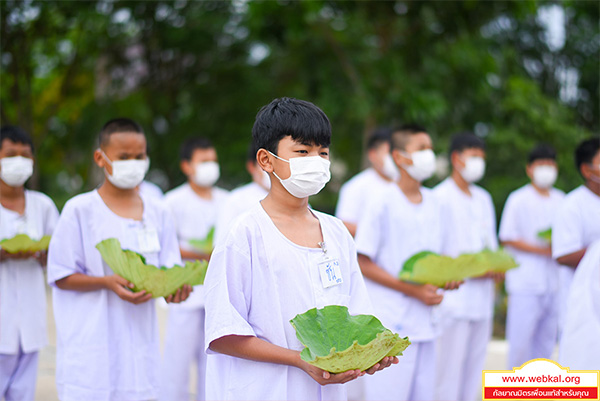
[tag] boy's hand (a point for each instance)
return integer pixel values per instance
(384, 363)
(453, 285)
(16, 255)
(498, 277)
(122, 288)
(41, 257)
(427, 293)
(181, 295)
(323, 377)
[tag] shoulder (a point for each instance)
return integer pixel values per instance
(176, 193)
(357, 180)
(519, 194)
(220, 193)
(244, 230)
(333, 224)
(442, 187)
(81, 202)
(559, 193)
(481, 193)
(41, 199)
(155, 205)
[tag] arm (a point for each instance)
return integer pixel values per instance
(115, 283)
(351, 227)
(527, 247)
(194, 255)
(571, 259)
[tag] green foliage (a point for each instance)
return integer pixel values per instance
(23, 243)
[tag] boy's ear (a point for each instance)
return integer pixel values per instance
(264, 161)
(585, 170)
(186, 168)
(399, 158)
(455, 160)
(98, 159)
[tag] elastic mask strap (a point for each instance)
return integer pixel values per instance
(287, 161)
(105, 157)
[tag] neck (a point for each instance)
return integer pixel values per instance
(409, 185)
(203, 192)
(108, 190)
(281, 203)
(593, 186)
(541, 191)
(8, 192)
(460, 182)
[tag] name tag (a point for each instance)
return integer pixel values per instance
(148, 240)
(330, 272)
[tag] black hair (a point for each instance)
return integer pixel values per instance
(191, 144)
(379, 136)
(401, 135)
(16, 135)
(251, 153)
(118, 125)
(465, 140)
(586, 151)
(542, 151)
(302, 120)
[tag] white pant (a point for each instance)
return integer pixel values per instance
(411, 379)
(18, 374)
(531, 327)
(184, 345)
(461, 356)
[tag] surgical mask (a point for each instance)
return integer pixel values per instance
(423, 165)
(265, 180)
(308, 175)
(126, 174)
(544, 176)
(474, 169)
(206, 174)
(390, 170)
(14, 171)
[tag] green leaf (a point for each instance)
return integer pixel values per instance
(22, 243)
(498, 261)
(204, 245)
(160, 282)
(546, 235)
(337, 342)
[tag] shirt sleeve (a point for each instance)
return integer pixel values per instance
(360, 302)
(493, 234)
(566, 231)
(509, 221)
(370, 229)
(348, 206)
(50, 217)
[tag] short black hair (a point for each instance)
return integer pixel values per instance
(191, 144)
(542, 151)
(302, 120)
(465, 140)
(117, 125)
(16, 135)
(379, 136)
(586, 151)
(401, 135)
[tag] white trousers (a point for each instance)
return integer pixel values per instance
(184, 346)
(18, 374)
(461, 356)
(411, 379)
(531, 327)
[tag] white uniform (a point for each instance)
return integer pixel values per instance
(107, 348)
(150, 189)
(574, 228)
(532, 318)
(240, 200)
(257, 281)
(579, 346)
(468, 225)
(23, 330)
(193, 216)
(355, 195)
(392, 230)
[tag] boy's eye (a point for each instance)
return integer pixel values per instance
(324, 153)
(303, 151)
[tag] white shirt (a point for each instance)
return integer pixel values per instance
(525, 214)
(355, 194)
(468, 226)
(107, 348)
(391, 231)
(577, 222)
(148, 189)
(257, 281)
(22, 287)
(193, 216)
(240, 200)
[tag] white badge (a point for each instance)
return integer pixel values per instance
(148, 240)
(331, 274)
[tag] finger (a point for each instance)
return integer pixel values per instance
(121, 281)
(169, 298)
(373, 369)
(177, 296)
(145, 298)
(326, 375)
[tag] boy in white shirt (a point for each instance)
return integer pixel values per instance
(267, 270)
(194, 206)
(401, 221)
(356, 192)
(532, 317)
(23, 330)
(107, 335)
(468, 226)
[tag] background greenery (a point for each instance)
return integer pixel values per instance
(185, 68)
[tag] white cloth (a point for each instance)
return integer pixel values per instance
(107, 348)
(240, 200)
(22, 287)
(18, 373)
(577, 222)
(257, 281)
(391, 231)
(355, 194)
(579, 346)
(525, 214)
(565, 278)
(150, 189)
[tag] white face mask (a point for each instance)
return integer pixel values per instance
(14, 171)
(206, 174)
(474, 169)
(265, 180)
(126, 174)
(390, 170)
(308, 175)
(423, 165)
(544, 176)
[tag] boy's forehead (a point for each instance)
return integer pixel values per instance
(473, 152)
(125, 139)
(204, 153)
(9, 144)
(291, 141)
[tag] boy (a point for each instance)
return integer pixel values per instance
(532, 317)
(403, 220)
(23, 329)
(469, 226)
(194, 206)
(107, 336)
(355, 193)
(266, 271)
